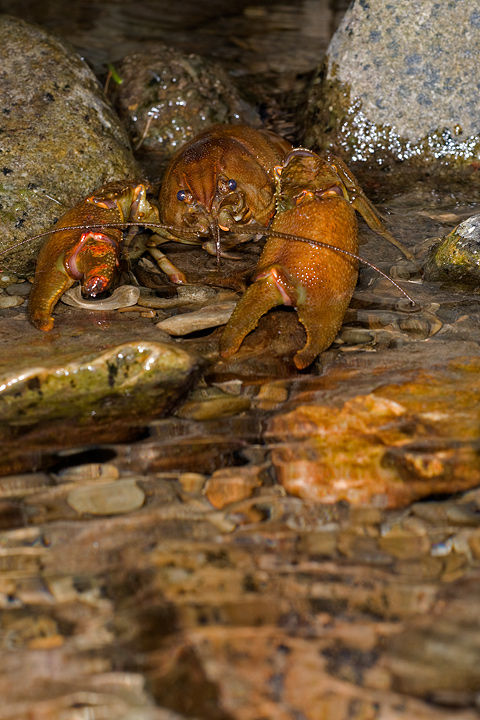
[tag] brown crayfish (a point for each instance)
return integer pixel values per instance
(234, 179)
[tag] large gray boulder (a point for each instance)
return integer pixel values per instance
(401, 84)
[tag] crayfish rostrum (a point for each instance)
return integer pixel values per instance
(241, 181)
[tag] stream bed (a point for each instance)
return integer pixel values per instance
(255, 542)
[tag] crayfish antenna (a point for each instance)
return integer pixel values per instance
(215, 230)
(103, 226)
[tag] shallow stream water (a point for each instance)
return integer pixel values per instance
(160, 570)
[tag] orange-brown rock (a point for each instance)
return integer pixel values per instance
(389, 448)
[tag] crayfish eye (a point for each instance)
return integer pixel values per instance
(181, 195)
(232, 185)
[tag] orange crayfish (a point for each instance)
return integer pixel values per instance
(310, 260)
(234, 179)
(221, 180)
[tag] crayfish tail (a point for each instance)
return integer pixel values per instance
(260, 297)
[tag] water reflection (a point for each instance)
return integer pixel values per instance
(129, 590)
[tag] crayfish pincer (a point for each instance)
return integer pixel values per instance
(310, 260)
(80, 247)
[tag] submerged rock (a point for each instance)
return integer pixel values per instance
(61, 138)
(456, 258)
(138, 379)
(393, 90)
(114, 498)
(387, 448)
(167, 97)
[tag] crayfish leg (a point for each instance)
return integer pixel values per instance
(362, 204)
(176, 276)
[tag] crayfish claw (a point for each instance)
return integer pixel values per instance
(45, 295)
(260, 297)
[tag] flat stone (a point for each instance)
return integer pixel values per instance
(107, 499)
(123, 296)
(210, 316)
(22, 289)
(10, 301)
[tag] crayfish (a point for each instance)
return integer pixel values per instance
(234, 179)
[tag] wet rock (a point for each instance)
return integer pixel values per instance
(437, 658)
(139, 378)
(22, 289)
(10, 301)
(229, 485)
(392, 90)
(207, 317)
(185, 295)
(107, 498)
(17, 486)
(456, 258)
(61, 138)
(167, 97)
(88, 473)
(192, 482)
(211, 403)
(386, 448)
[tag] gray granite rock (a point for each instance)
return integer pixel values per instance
(60, 136)
(401, 83)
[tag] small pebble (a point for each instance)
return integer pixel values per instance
(210, 316)
(107, 499)
(211, 408)
(229, 485)
(88, 472)
(9, 301)
(23, 484)
(186, 295)
(192, 482)
(271, 394)
(21, 289)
